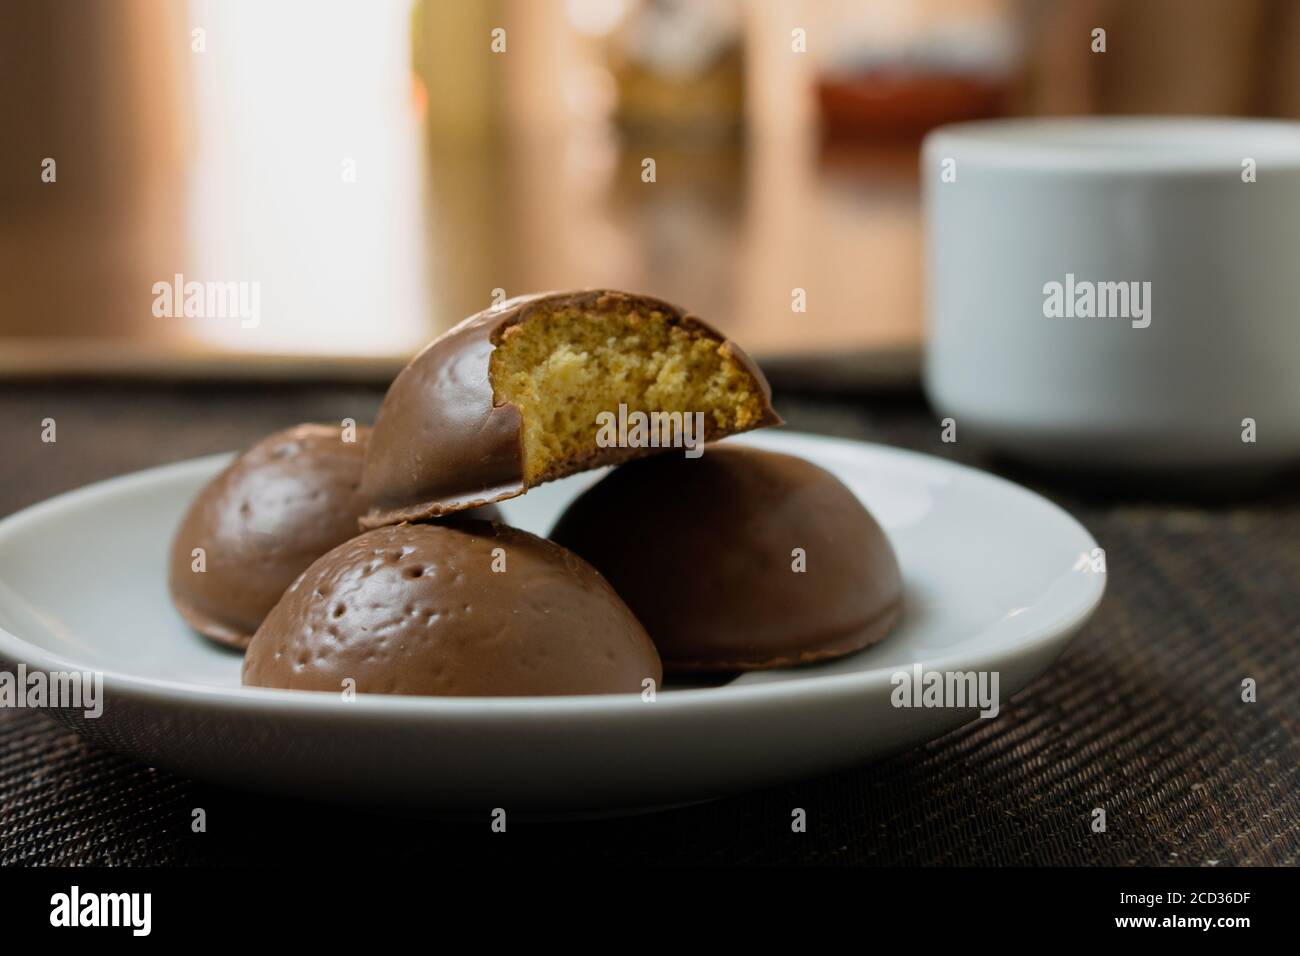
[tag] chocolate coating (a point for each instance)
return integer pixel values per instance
(418, 609)
(442, 442)
(703, 552)
(276, 509)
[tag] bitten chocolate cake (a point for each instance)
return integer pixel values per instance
(739, 560)
(470, 608)
(510, 398)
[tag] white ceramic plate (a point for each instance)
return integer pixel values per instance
(995, 581)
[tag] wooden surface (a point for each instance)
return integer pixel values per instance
(350, 289)
(235, 165)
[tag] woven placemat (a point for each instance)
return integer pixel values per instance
(1141, 716)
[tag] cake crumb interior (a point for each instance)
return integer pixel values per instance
(564, 367)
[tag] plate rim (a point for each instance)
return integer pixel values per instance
(380, 706)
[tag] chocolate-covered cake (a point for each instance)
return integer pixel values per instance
(274, 510)
(511, 397)
(739, 560)
(469, 608)
(277, 508)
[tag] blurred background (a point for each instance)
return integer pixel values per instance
(378, 169)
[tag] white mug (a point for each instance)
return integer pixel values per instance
(1116, 292)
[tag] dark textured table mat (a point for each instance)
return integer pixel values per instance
(1142, 715)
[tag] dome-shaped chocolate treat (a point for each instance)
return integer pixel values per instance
(468, 608)
(738, 560)
(274, 510)
(515, 396)
(277, 508)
